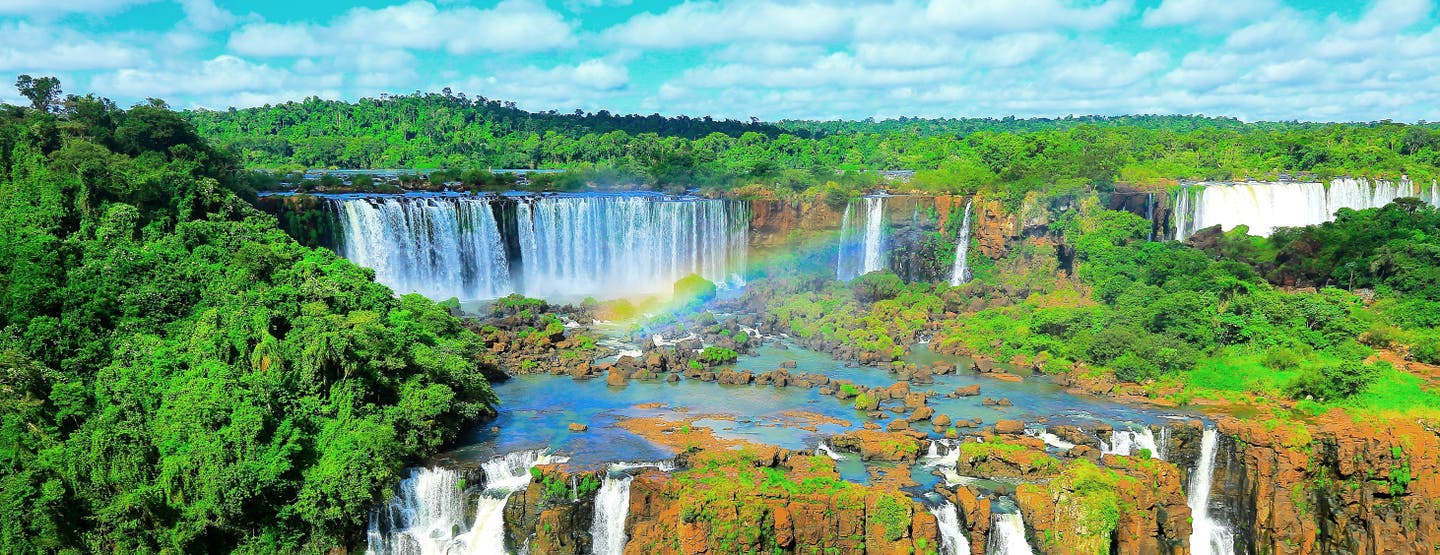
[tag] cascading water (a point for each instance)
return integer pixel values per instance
(627, 244)
(862, 243)
(571, 245)
(1129, 443)
(952, 539)
(1264, 206)
(438, 247)
(1007, 535)
(961, 271)
(427, 515)
(612, 505)
(1208, 536)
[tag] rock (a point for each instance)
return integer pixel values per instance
(788, 364)
(914, 400)
(897, 425)
(988, 402)
(881, 446)
(941, 420)
(921, 414)
(654, 361)
(615, 378)
(1010, 427)
(578, 427)
(1084, 451)
(1003, 402)
(672, 378)
(897, 391)
(967, 391)
(1006, 377)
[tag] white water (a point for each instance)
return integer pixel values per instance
(1049, 438)
(1129, 443)
(615, 245)
(1208, 536)
(437, 247)
(862, 244)
(824, 449)
(944, 453)
(612, 505)
(961, 271)
(1264, 206)
(569, 246)
(427, 514)
(1007, 535)
(952, 540)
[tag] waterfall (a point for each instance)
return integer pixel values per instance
(1129, 443)
(862, 243)
(1150, 213)
(427, 514)
(961, 272)
(1208, 536)
(952, 540)
(627, 244)
(934, 457)
(612, 505)
(438, 247)
(1007, 535)
(1264, 206)
(1050, 439)
(563, 245)
(824, 449)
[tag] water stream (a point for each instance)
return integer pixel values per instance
(961, 271)
(1208, 536)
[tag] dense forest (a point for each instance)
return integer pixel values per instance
(179, 376)
(440, 130)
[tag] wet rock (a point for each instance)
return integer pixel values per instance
(914, 400)
(578, 427)
(672, 378)
(616, 377)
(897, 391)
(967, 391)
(1010, 427)
(897, 425)
(988, 402)
(788, 364)
(941, 420)
(875, 445)
(1004, 402)
(921, 414)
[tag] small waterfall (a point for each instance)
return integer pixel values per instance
(862, 243)
(1264, 206)
(1007, 535)
(952, 540)
(824, 449)
(1050, 439)
(944, 453)
(1150, 213)
(1129, 443)
(961, 271)
(612, 505)
(427, 514)
(1208, 536)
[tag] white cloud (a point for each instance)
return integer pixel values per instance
(206, 16)
(54, 7)
(222, 74)
(1000, 16)
(27, 47)
(701, 23)
(1207, 14)
(510, 26)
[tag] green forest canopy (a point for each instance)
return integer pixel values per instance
(176, 374)
(441, 130)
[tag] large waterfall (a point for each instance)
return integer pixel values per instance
(1264, 206)
(480, 247)
(961, 271)
(438, 247)
(862, 240)
(1208, 537)
(1007, 535)
(612, 505)
(952, 540)
(427, 515)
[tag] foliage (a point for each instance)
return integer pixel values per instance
(718, 355)
(178, 374)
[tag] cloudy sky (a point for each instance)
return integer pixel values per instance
(1253, 59)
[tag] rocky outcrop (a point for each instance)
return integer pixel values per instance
(785, 503)
(1130, 505)
(553, 514)
(1335, 486)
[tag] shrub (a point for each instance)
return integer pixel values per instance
(1333, 382)
(718, 355)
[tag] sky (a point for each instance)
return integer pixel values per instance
(1316, 60)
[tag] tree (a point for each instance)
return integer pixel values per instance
(43, 92)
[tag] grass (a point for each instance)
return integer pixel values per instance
(1396, 391)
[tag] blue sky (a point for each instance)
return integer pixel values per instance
(1253, 59)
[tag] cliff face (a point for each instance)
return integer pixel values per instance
(1338, 486)
(551, 523)
(702, 511)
